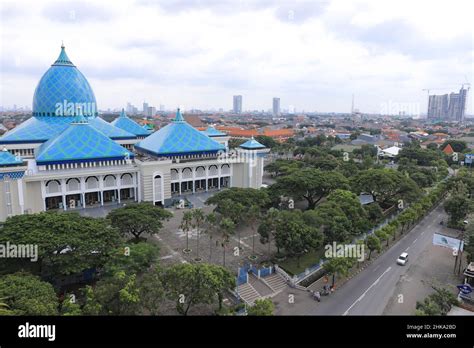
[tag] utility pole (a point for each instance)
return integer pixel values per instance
(352, 106)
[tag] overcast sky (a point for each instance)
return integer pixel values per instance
(198, 53)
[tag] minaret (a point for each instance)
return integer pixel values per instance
(252, 153)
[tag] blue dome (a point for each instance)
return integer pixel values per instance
(64, 91)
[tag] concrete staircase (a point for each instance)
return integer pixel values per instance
(248, 293)
(261, 287)
(275, 282)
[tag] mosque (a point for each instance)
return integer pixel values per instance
(66, 157)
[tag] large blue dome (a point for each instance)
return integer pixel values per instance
(64, 91)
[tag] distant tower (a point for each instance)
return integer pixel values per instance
(352, 106)
(237, 107)
(276, 106)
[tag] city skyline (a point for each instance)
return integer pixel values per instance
(326, 51)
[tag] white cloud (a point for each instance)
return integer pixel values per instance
(313, 55)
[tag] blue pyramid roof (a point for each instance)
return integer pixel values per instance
(212, 132)
(80, 142)
(36, 130)
(110, 130)
(127, 124)
(252, 144)
(7, 159)
(41, 129)
(178, 138)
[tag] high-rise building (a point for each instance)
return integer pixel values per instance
(448, 107)
(438, 106)
(457, 105)
(151, 111)
(237, 104)
(145, 108)
(276, 106)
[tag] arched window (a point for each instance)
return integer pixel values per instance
(109, 181)
(225, 169)
(187, 173)
(174, 174)
(73, 184)
(127, 179)
(92, 182)
(53, 186)
(157, 188)
(213, 170)
(200, 172)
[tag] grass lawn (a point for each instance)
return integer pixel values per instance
(290, 265)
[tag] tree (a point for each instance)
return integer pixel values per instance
(331, 221)
(118, 294)
(383, 235)
(310, 184)
(211, 226)
(198, 221)
(469, 246)
(438, 303)
(283, 167)
(252, 216)
(133, 259)
(69, 307)
(138, 219)
(67, 242)
(266, 141)
(26, 294)
(294, 235)
(236, 195)
(235, 142)
(350, 205)
(423, 157)
(373, 243)
(152, 291)
(394, 226)
(374, 212)
(191, 284)
(234, 211)
(267, 228)
(262, 307)
(338, 265)
(227, 229)
(385, 185)
(457, 207)
(186, 224)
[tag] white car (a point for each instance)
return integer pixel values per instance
(402, 259)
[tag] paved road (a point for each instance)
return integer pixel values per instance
(369, 292)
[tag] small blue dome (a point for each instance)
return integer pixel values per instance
(64, 91)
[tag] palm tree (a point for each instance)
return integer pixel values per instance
(272, 216)
(186, 224)
(211, 222)
(227, 228)
(199, 217)
(253, 216)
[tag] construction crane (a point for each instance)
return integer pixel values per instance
(457, 84)
(431, 89)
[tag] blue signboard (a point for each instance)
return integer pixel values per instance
(468, 158)
(465, 288)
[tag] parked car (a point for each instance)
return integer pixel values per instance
(402, 259)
